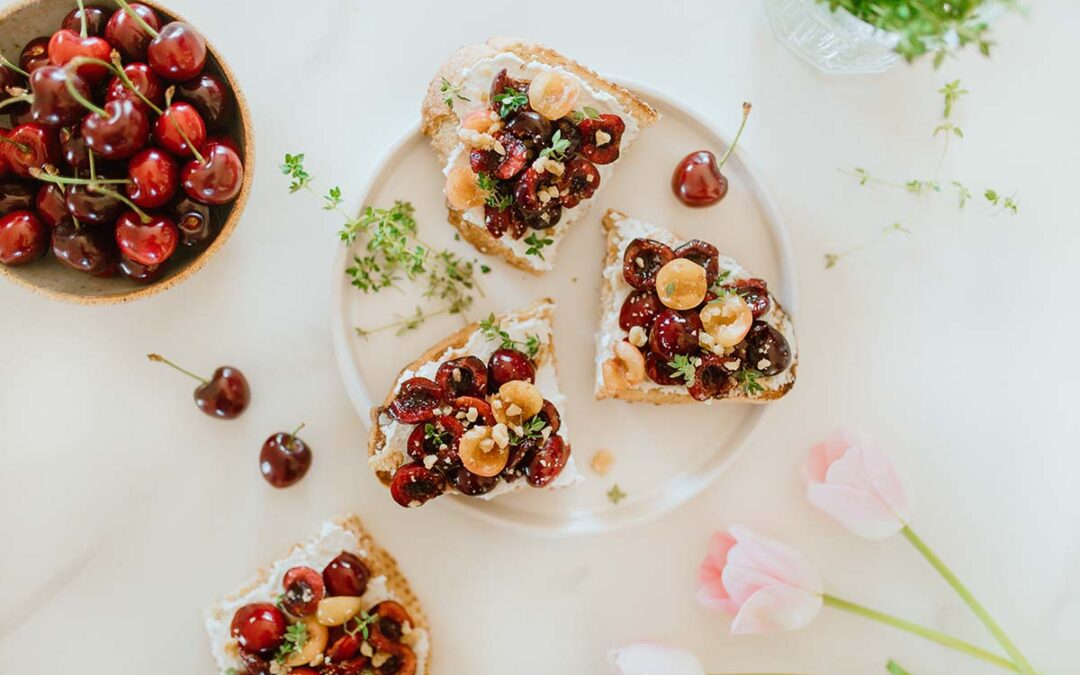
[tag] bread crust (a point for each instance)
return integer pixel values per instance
(381, 562)
(440, 123)
(544, 308)
(628, 392)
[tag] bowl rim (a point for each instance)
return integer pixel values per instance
(227, 228)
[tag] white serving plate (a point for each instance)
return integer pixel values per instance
(664, 455)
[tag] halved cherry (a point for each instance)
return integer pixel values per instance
(342, 649)
(483, 161)
(390, 619)
(468, 483)
(550, 414)
(531, 127)
(438, 437)
(579, 181)
(640, 308)
(642, 259)
(515, 159)
(704, 254)
(417, 400)
(254, 664)
(548, 462)
(660, 372)
(501, 82)
(714, 377)
(673, 334)
(527, 190)
(499, 221)
(547, 216)
(505, 365)
(568, 131)
(304, 589)
(600, 138)
(462, 404)
(756, 294)
(415, 484)
(466, 376)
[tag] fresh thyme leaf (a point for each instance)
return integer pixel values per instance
(497, 196)
(894, 668)
(510, 100)
(748, 380)
(532, 345)
(493, 331)
(296, 636)
(433, 434)
(615, 495)
(361, 623)
(591, 113)
(332, 198)
(451, 91)
(684, 368)
(294, 168)
(485, 269)
(559, 146)
(721, 279)
(536, 244)
(952, 93)
(962, 192)
(533, 428)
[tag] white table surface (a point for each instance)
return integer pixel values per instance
(125, 511)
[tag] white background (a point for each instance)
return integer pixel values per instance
(125, 511)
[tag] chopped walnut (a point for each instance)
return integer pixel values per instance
(602, 461)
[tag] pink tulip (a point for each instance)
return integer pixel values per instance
(855, 483)
(647, 658)
(767, 586)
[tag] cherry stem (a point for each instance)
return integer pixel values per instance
(406, 322)
(82, 18)
(161, 359)
(135, 15)
(16, 99)
(21, 146)
(176, 125)
(735, 141)
(93, 167)
(118, 68)
(11, 66)
(89, 105)
(297, 430)
(95, 186)
(65, 180)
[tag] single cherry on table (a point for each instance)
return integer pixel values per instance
(224, 396)
(698, 180)
(284, 459)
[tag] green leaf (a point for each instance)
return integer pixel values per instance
(536, 245)
(559, 146)
(451, 91)
(684, 368)
(615, 495)
(894, 668)
(510, 100)
(591, 113)
(748, 380)
(296, 636)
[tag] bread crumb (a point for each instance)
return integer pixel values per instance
(602, 461)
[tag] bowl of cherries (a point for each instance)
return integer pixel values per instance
(125, 149)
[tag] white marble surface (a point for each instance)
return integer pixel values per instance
(125, 511)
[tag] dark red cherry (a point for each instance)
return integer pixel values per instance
(548, 462)
(89, 206)
(462, 406)
(211, 97)
(550, 414)
(153, 175)
(30, 146)
(284, 460)
(547, 216)
(198, 223)
(579, 182)
(150, 242)
(50, 204)
(439, 437)
(346, 575)
(304, 589)
(521, 453)
(660, 372)
(187, 118)
(5, 168)
(73, 148)
(568, 132)
(342, 649)
(145, 81)
(83, 248)
(704, 254)
(53, 104)
(531, 127)
(767, 350)
(515, 158)
(178, 52)
(140, 273)
(127, 35)
(65, 45)
(259, 627)
(483, 161)
(10, 78)
(468, 483)
(756, 294)
(415, 485)
(216, 179)
(223, 396)
(227, 141)
(120, 133)
(506, 365)
(35, 54)
(255, 664)
(417, 400)
(642, 259)
(527, 189)
(500, 221)
(96, 18)
(502, 81)
(600, 138)
(713, 377)
(697, 180)
(673, 334)
(466, 376)
(17, 195)
(640, 309)
(23, 238)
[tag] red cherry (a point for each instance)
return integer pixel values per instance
(184, 116)
(16, 195)
(90, 206)
(304, 589)
(73, 147)
(23, 238)
(50, 204)
(591, 148)
(120, 133)
(35, 54)
(224, 396)
(178, 52)
(346, 575)
(197, 222)
(284, 459)
(415, 484)
(66, 44)
(227, 141)
(697, 180)
(417, 400)
(145, 80)
(140, 273)
(30, 146)
(259, 627)
(5, 168)
(506, 365)
(53, 104)
(128, 35)
(96, 18)
(85, 249)
(154, 176)
(216, 179)
(210, 96)
(548, 462)
(151, 242)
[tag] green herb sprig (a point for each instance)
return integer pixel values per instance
(491, 329)
(510, 100)
(684, 368)
(296, 636)
(450, 92)
(537, 243)
(748, 381)
(497, 197)
(558, 148)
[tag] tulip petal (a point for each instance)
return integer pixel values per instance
(772, 558)
(775, 609)
(711, 591)
(645, 658)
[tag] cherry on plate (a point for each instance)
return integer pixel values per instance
(642, 259)
(417, 400)
(640, 308)
(224, 396)
(548, 462)
(284, 459)
(698, 180)
(601, 137)
(767, 350)
(673, 335)
(466, 376)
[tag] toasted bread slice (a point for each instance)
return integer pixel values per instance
(611, 374)
(387, 442)
(343, 534)
(462, 86)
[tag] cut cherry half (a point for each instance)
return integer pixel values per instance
(417, 400)
(642, 259)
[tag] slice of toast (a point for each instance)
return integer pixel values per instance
(343, 534)
(462, 86)
(747, 384)
(387, 444)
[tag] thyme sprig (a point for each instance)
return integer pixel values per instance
(684, 368)
(537, 243)
(492, 330)
(510, 100)
(450, 92)
(296, 636)
(748, 380)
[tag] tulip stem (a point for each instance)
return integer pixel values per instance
(969, 599)
(922, 631)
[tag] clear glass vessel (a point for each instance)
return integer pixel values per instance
(833, 42)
